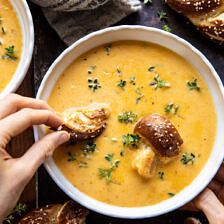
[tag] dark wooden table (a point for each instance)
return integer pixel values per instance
(42, 190)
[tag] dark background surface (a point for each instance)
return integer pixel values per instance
(48, 46)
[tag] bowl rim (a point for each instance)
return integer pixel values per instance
(118, 211)
(24, 63)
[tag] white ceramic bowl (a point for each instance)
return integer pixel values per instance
(184, 49)
(26, 23)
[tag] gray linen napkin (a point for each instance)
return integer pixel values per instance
(72, 19)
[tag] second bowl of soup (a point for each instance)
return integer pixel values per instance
(16, 44)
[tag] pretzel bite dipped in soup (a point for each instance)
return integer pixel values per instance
(150, 91)
(160, 136)
(85, 123)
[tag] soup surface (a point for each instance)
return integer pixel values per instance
(133, 77)
(10, 43)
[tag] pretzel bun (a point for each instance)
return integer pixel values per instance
(160, 134)
(70, 212)
(206, 15)
(193, 6)
(45, 215)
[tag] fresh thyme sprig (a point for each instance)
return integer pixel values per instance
(127, 117)
(10, 53)
(159, 83)
(188, 158)
(131, 140)
(93, 84)
(106, 173)
(193, 85)
(171, 108)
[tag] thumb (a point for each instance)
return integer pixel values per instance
(42, 150)
(211, 206)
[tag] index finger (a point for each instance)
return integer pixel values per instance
(16, 123)
(13, 103)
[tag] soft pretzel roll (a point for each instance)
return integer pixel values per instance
(68, 213)
(194, 6)
(206, 15)
(213, 27)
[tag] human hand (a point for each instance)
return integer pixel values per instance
(211, 200)
(17, 113)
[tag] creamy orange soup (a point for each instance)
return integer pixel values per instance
(138, 64)
(10, 43)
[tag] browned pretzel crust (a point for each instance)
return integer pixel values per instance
(194, 6)
(45, 215)
(161, 134)
(85, 122)
(70, 212)
(206, 15)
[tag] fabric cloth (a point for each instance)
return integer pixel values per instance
(72, 19)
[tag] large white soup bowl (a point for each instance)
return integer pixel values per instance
(196, 59)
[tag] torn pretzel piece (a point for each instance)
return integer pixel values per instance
(145, 162)
(85, 122)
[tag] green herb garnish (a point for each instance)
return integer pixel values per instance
(89, 148)
(118, 70)
(82, 164)
(140, 95)
(109, 157)
(193, 85)
(107, 173)
(188, 158)
(162, 15)
(107, 48)
(71, 157)
(132, 80)
(122, 153)
(3, 30)
(15, 213)
(131, 140)
(127, 117)
(167, 28)
(159, 83)
(115, 164)
(161, 175)
(171, 108)
(91, 69)
(10, 53)
(171, 194)
(121, 83)
(93, 84)
(151, 68)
